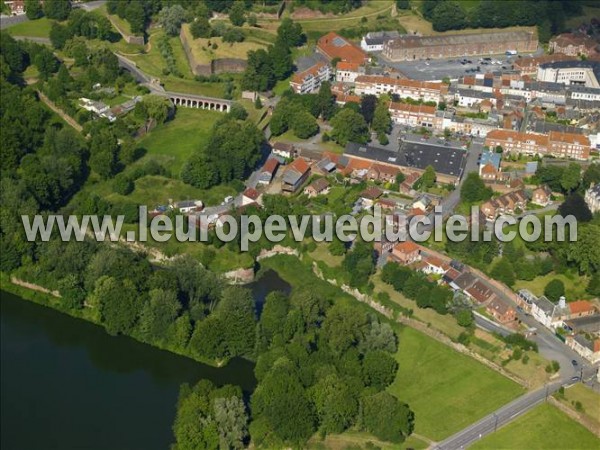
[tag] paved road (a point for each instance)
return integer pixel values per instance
(8, 21)
(490, 325)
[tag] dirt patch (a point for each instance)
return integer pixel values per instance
(307, 13)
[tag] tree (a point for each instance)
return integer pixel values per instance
(382, 121)
(554, 290)
(474, 189)
(258, 75)
(464, 318)
(359, 263)
(233, 35)
(237, 13)
(593, 286)
(336, 405)
(349, 126)
(290, 33)
(282, 401)
(232, 422)
(59, 35)
(200, 28)
(159, 314)
(33, 9)
(585, 252)
(305, 125)
(119, 304)
(379, 336)
(387, 418)
(571, 177)
(57, 9)
(428, 178)
(136, 16)
(503, 271)
(46, 63)
(171, 18)
(403, 4)
(326, 101)
(104, 148)
(123, 184)
(238, 112)
(575, 205)
(343, 327)
(367, 107)
(591, 175)
(448, 15)
(281, 60)
(379, 369)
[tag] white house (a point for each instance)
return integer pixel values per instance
(373, 41)
(187, 206)
(592, 198)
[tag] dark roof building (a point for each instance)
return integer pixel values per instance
(445, 160)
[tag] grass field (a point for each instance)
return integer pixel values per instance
(203, 53)
(33, 28)
(544, 427)
(447, 390)
(173, 142)
(353, 439)
(590, 400)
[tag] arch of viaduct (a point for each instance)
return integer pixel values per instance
(196, 101)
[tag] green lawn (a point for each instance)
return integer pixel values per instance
(33, 28)
(590, 400)
(544, 427)
(173, 142)
(447, 390)
(574, 285)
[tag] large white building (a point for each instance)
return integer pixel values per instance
(373, 41)
(404, 88)
(583, 73)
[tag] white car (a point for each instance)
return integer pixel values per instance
(228, 199)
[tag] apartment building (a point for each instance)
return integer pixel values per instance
(346, 72)
(310, 80)
(564, 145)
(581, 73)
(416, 90)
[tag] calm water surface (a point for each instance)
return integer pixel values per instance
(66, 384)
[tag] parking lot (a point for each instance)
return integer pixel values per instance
(453, 68)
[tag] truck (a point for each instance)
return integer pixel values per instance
(511, 52)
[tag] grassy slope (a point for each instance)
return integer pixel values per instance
(590, 400)
(544, 427)
(33, 28)
(173, 142)
(440, 385)
(574, 285)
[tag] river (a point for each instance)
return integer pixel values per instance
(66, 384)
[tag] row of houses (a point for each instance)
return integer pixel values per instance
(578, 321)
(457, 276)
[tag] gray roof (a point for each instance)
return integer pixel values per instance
(379, 37)
(545, 305)
(465, 280)
(445, 160)
(590, 324)
(291, 177)
(474, 93)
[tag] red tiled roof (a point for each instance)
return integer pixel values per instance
(270, 166)
(348, 66)
(581, 306)
(406, 247)
(570, 138)
(417, 109)
(299, 165)
(371, 193)
(251, 193)
(334, 46)
(299, 77)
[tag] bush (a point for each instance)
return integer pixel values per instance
(123, 184)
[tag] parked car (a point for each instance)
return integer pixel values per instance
(574, 362)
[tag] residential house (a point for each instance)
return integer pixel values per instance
(434, 266)
(542, 310)
(187, 206)
(414, 115)
(284, 149)
(464, 281)
(310, 80)
(449, 277)
(587, 348)
(325, 166)
(488, 172)
(346, 72)
(333, 46)
(406, 252)
(369, 195)
(251, 195)
(502, 312)
(489, 165)
(479, 291)
(318, 187)
(268, 171)
(406, 187)
(379, 172)
(581, 308)
(507, 203)
(423, 203)
(592, 198)
(542, 196)
(388, 204)
(295, 174)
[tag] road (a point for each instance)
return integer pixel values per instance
(8, 21)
